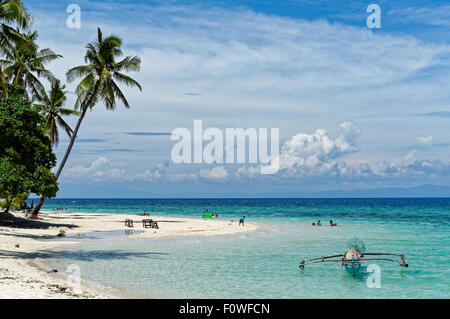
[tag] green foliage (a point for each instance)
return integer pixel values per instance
(24, 63)
(26, 156)
(51, 107)
(16, 202)
(12, 14)
(102, 73)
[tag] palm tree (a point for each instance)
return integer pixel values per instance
(12, 12)
(24, 63)
(100, 76)
(51, 107)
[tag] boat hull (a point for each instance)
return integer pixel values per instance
(353, 267)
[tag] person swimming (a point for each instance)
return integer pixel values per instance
(318, 223)
(314, 224)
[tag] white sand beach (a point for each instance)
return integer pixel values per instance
(22, 277)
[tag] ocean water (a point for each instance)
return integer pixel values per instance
(264, 264)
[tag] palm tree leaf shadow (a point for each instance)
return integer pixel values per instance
(9, 220)
(81, 255)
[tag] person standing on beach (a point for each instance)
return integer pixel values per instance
(242, 221)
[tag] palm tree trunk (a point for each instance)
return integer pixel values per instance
(63, 162)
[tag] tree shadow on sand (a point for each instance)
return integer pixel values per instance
(9, 220)
(81, 255)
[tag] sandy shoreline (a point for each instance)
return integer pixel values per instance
(22, 276)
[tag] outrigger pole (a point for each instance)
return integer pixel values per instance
(402, 260)
(402, 257)
(320, 260)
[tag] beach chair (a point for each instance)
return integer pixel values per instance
(129, 223)
(147, 223)
(155, 225)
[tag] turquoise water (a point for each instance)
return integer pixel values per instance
(264, 264)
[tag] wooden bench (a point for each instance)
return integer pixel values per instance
(129, 223)
(149, 223)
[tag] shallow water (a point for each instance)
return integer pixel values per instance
(264, 264)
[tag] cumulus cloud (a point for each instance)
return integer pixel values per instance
(409, 167)
(318, 155)
(315, 154)
(150, 175)
(427, 140)
(216, 173)
(250, 172)
(102, 169)
(96, 168)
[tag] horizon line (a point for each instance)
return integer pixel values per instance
(373, 197)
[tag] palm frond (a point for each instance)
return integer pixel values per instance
(67, 112)
(119, 94)
(128, 64)
(101, 69)
(14, 12)
(127, 80)
(34, 85)
(64, 125)
(79, 71)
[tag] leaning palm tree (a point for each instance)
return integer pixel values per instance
(12, 13)
(99, 83)
(24, 63)
(51, 107)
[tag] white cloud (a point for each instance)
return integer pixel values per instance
(316, 153)
(95, 168)
(216, 173)
(281, 71)
(427, 140)
(241, 60)
(436, 15)
(150, 175)
(102, 169)
(250, 171)
(408, 168)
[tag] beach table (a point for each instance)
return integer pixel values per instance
(129, 223)
(149, 223)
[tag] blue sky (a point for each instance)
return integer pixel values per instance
(356, 108)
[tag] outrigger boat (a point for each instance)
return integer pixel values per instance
(354, 257)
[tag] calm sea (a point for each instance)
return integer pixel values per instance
(264, 264)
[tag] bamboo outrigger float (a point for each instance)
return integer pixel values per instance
(353, 258)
